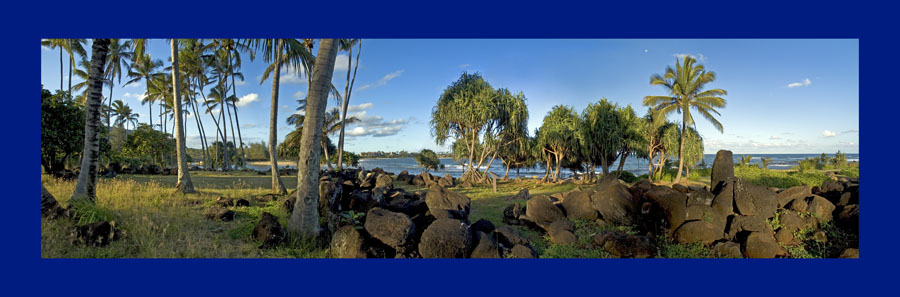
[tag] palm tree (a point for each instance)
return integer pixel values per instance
(279, 52)
(85, 189)
(764, 162)
(305, 216)
(119, 56)
(184, 184)
(347, 45)
(60, 44)
(232, 49)
(74, 46)
(143, 69)
(685, 85)
(332, 123)
(124, 114)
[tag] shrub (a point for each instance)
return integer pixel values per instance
(626, 176)
(428, 159)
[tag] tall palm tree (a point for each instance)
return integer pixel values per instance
(685, 84)
(233, 49)
(60, 44)
(184, 184)
(144, 68)
(279, 52)
(124, 114)
(85, 189)
(304, 219)
(119, 56)
(347, 45)
(74, 46)
(332, 123)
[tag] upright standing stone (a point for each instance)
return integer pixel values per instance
(723, 168)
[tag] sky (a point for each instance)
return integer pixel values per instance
(784, 95)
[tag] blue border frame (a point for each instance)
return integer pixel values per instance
(874, 26)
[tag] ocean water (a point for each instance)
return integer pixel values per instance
(633, 165)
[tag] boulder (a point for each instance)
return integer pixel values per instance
(723, 203)
(613, 201)
(384, 181)
(483, 225)
(521, 195)
(728, 249)
(446, 181)
(428, 179)
(799, 205)
(753, 200)
(680, 188)
(821, 208)
(850, 253)
(222, 201)
(512, 213)
(791, 221)
(440, 198)
(741, 224)
(485, 246)
(541, 210)
(446, 238)
(219, 213)
(393, 229)
(578, 206)
(561, 232)
(403, 176)
(783, 236)
(700, 197)
(268, 230)
(848, 218)
(792, 193)
(622, 245)
(49, 207)
(509, 236)
(417, 181)
(672, 203)
(97, 234)
(700, 212)
(697, 231)
(347, 242)
(522, 252)
(760, 245)
(723, 168)
(563, 225)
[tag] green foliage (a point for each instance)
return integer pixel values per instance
(147, 145)
(584, 248)
(62, 130)
(837, 240)
(626, 176)
(745, 160)
(86, 212)
(764, 163)
(601, 136)
(350, 159)
(428, 159)
(780, 179)
(850, 172)
(670, 249)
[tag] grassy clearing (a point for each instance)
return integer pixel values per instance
(772, 177)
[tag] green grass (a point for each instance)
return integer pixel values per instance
(779, 178)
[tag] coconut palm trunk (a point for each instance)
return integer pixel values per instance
(60, 68)
(236, 119)
(304, 219)
(347, 91)
(86, 189)
(184, 184)
(71, 65)
(681, 148)
(277, 184)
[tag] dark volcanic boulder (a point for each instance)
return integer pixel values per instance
(740, 224)
(541, 210)
(347, 242)
(821, 208)
(268, 230)
(850, 253)
(384, 181)
(512, 213)
(509, 236)
(578, 206)
(219, 213)
(446, 181)
(561, 232)
(393, 229)
(799, 205)
(483, 225)
(222, 201)
(722, 169)
(791, 221)
(446, 238)
(700, 197)
(485, 246)
(417, 181)
(522, 252)
(672, 203)
(523, 195)
(680, 188)
(49, 207)
(848, 217)
(403, 176)
(753, 200)
(440, 198)
(792, 193)
(783, 236)
(428, 179)
(613, 200)
(728, 250)
(697, 231)
(623, 245)
(95, 234)
(760, 245)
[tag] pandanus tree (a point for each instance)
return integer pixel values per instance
(686, 86)
(347, 45)
(304, 219)
(558, 136)
(601, 135)
(280, 52)
(85, 188)
(634, 140)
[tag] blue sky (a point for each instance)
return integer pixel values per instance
(784, 95)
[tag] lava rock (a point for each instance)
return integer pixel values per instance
(268, 230)
(578, 206)
(622, 245)
(440, 198)
(347, 242)
(723, 167)
(219, 213)
(393, 229)
(541, 210)
(446, 238)
(485, 246)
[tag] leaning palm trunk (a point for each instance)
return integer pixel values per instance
(277, 184)
(347, 91)
(86, 189)
(236, 120)
(681, 149)
(184, 184)
(305, 217)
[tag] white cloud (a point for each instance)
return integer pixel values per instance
(850, 131)
(299, 95)
(340, 63)
(383, 81)
(247, 126)
(699, 57)
(803, 83)
(774, 137)
(240, 82)
(645, 51)
(827, 133)
(284, 107)
(247, 99)
(137, 97)
(374, 125)
(465, 65)
(355, 108)
(134, 85)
